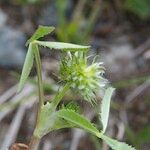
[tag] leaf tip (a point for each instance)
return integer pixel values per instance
(40, 32)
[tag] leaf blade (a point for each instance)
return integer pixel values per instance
(105, 107)
(40, 32)
(26, 67)
(78, 120)
(49, 121)
(63, 46)
(116, 145)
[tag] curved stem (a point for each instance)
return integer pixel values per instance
(60, 95)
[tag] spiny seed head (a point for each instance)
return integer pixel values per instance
(85, 79)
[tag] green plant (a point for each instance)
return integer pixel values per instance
(139, 7)
(79, 23)
(75, 73)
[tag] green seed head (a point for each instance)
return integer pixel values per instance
(85, 79)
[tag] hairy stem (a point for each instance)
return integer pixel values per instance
(60, 95)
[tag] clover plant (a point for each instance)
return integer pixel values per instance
(75, 73)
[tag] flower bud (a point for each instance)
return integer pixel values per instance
(85, 79)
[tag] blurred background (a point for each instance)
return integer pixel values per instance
(117, 30)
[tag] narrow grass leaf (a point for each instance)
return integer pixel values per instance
(26, 68)
(63, 46)
(78, 120)
(105, 107)
(116, 145)
(40, 32)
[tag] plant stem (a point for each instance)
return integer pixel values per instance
(34, 140)
(39, 75)
(60, 95)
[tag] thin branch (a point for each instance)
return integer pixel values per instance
(10, 92)
(17, 99)
(142, 48)
(137, 91)
(14, 128)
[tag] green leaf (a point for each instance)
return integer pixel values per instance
(73, 106)
(139, 7)
(78, 121)
(46, 120)
(105, 107)
(116, 145)
(40, 32)
(27, 67)
(63, 46)
(50, 121)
